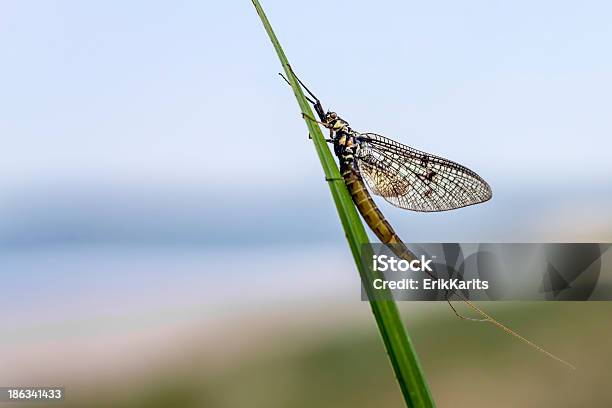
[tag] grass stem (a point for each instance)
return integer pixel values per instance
(397, 343)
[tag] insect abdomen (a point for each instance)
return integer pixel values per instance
(371, 214)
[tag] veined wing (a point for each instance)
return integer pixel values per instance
(415, 180)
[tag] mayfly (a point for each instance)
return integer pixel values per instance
(407, 178)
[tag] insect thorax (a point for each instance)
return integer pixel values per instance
(345, 145)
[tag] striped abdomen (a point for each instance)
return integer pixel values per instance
(370, 212)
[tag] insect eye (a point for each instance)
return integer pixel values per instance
(333, 115)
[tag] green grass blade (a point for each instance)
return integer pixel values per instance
(397, 343)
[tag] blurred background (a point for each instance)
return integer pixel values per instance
(166, 235)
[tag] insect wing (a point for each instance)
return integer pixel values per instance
(415, 180)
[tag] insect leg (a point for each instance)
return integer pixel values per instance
(331, 132)
(330, 140)
(316, 103)
(306, 116)
(301, 83)
(289, 83)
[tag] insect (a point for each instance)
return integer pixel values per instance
(407, 178)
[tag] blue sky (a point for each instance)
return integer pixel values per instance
(112, 108)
